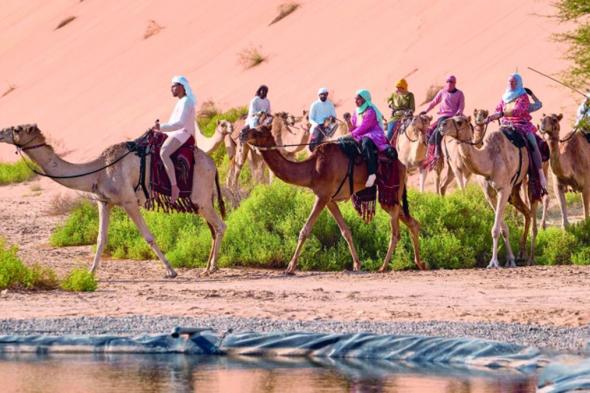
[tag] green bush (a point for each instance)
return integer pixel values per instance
(79, 280)
(554, 247)
(13, 273)
(573, 199)
(81, 227)
(581, 256)
(15, 172)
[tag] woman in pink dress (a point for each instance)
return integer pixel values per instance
(514, 111)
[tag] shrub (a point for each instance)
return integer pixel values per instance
(41, 277)
(555, 247)
(573, 199)
(79, 280)
(285, 10)
(80, 228)
(15, 172)
(251, 57)
(581, 256)
(13, 273)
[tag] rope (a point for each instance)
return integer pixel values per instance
(69, 176)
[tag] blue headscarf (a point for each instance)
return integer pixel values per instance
(368, 104)
(511, 95)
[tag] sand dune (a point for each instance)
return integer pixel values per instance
(97, 80)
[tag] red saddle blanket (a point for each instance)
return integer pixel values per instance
(184, 164)
(386, 188)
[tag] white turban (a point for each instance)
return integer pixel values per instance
(323, 90)
(187, 87)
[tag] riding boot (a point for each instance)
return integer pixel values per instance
(391, 153)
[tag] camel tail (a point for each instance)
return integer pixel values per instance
(405, 204)
(219, 196)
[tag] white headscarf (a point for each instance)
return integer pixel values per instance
(322, 90)
(187, 87)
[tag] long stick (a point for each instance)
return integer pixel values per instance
(555, 80)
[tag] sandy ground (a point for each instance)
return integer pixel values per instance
(537, 295)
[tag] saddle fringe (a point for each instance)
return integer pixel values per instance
(162, 202)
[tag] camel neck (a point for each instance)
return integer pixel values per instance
(477, 160)
(297, 173)
(555, 155)
(53, 165)
(208, 144)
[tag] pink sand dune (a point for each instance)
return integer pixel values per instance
(97, 81)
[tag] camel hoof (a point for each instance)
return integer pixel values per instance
(422, 266)
(171, 274)
(289, 272)
(492, 265)
(210, 271)
(383, 269)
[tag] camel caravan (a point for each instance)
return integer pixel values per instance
(363, 157)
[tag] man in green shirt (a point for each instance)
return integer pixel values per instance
(400, 101)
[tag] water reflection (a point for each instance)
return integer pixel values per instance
(183, 374)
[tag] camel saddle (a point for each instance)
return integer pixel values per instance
(386, 186)
(519, 140)
(158, 196)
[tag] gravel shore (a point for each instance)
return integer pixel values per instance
(547, 338)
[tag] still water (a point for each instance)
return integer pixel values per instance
(180, 373)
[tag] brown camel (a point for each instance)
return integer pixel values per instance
(569, 162)
(111, 180)
(498, 163)
(411, 145)
(323, 173)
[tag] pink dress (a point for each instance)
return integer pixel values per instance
(370, 128)
(520, 117)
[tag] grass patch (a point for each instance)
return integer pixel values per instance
(573, 199)
(65, 22)
(62, 204)
(263, 232)
(251, 57)
(17, 172)
(79, 280)
(285, 10)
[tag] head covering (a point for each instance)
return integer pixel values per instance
(368, 104)
(402, 84)
(262, 87)
(451, 78)
(323, 90)
(187, 87)
(511, 95)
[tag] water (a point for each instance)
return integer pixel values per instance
(106, 373)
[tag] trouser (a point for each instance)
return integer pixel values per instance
(536, 153)
(370, 153)
(435, 135)
(317, 136)
(168, 148)
(391, 126)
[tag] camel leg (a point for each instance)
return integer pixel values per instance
(414, 228)
(497, 228)
(104, 214)
(318, 206)
(490, 196)
(560, 191)
(133, 211)
(395, 236)
(346, 234)
(217, 227)
(533, 212)
(522, 207)
(423, 174)
(586, 200)
(545, 209)
(447, 180)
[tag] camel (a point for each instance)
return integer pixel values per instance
(111, 180)
(569, 163)
(340, 131)
(411, 145)
(498, 163)
(323, 172)
(284, 134)
(222, 134)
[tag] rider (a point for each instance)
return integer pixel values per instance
(514, 110)
(179, 128)
(367, 129)
(583, 114)
(258, 104)
(319, 111)
(400, 101)
(452, 103)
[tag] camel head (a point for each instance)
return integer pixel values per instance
(260, 136)
(550, 125)
(480, 116)
(458, 127)
(418, 126)
(224, 127)
(22, 135)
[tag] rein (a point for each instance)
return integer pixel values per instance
(472, 130)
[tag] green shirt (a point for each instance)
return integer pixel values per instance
(401, 102)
